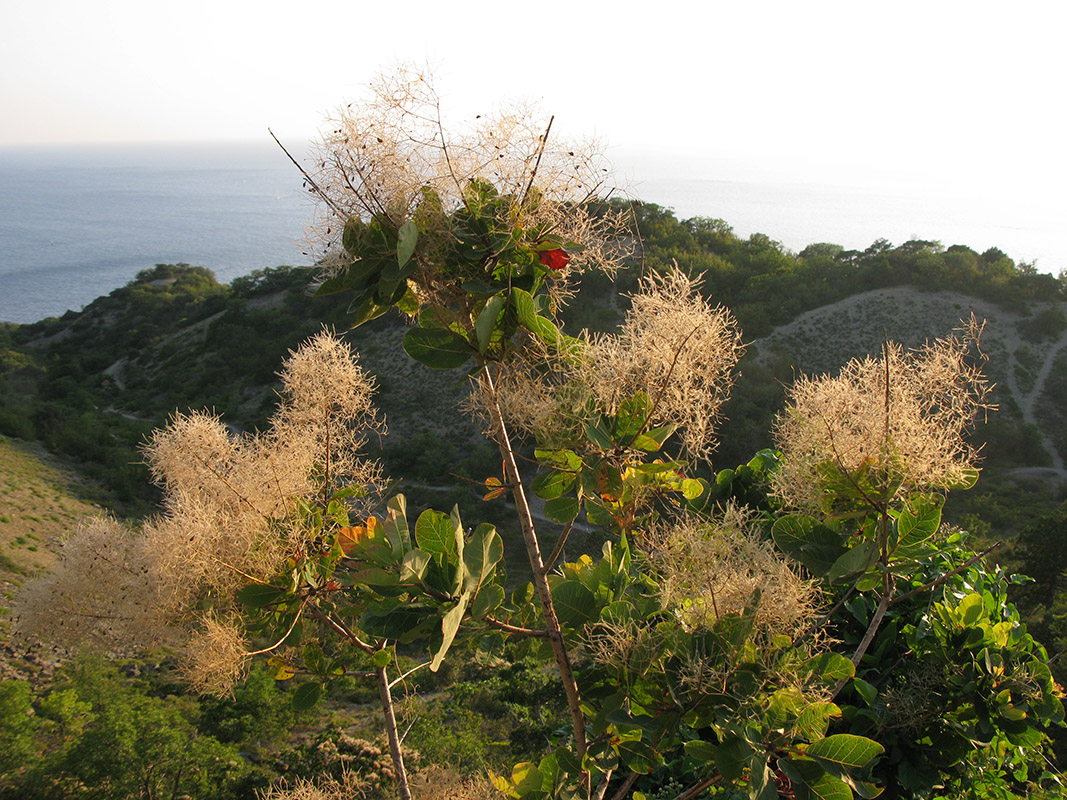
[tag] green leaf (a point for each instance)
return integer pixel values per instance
(638, 756)
(381, 658)
(560, 459)
(435, 533)
(855, 559)
(970, 609)
(526, 778)
(825, 787)
(574, 603)
(414, 565)
(407, 236)
(481, 555)
(761, 781)
(967, 480)
(526, 311)
(396, 526)
(652, 440)
(866, 690)
(306, 696)
(631, 417)
(804, 539)
(562, 509)
(830, 668)
(730, 757)
(552, 484)
(488, 600)
(258, 595)
(598, 435)
(919, 521)
(844, 750)
(701, 750)
(449, 626)
(436, 348)
(487, 319)
(812, 721)
(692, 488)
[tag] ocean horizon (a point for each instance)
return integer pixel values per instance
(78, 222)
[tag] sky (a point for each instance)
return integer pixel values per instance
(968, 92)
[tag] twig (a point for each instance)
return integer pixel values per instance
(394, 739)
(308, 178)
(414, 669)
(281, 641)
(514, 629)
(695, 790)
(627, 784)
(554, 555)
(339, 627)
(537, 164)
(868, 637)
(544, 591)
(935, 583)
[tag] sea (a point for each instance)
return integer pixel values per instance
(79, 222)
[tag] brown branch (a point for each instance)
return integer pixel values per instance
(537, 164)
(308, 178)
(935, 583)
(558, 549)
(514, 629)
(281, 641)
(394, 739)
(627, 784)
(533, 550)
(868, 637)
(339, 628)
(696, 789)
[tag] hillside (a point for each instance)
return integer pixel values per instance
(79, 394)
(92, 385)
(1026, 359)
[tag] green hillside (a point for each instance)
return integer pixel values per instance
(79, 394)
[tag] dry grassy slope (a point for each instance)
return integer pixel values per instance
(1025, 371)
(39, 503)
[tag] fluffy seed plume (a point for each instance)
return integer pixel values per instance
(394, 159)
(674, 346)
(228, 519)
(903, 416)
(707, 570)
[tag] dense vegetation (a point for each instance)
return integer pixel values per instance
(92, 384)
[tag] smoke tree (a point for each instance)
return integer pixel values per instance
(801, 626)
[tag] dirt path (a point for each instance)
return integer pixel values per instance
(1027, 400)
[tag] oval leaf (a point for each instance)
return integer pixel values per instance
(436, 348)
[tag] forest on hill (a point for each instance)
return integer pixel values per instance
(85, 391)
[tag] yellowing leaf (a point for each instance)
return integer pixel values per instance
(495, 487)
(349, 537)
(280, 671)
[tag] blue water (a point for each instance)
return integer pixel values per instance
(76, 223)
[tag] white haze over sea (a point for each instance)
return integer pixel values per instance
(76, 223)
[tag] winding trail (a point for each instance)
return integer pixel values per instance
(1027, 400)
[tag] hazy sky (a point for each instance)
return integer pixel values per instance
(956, 88)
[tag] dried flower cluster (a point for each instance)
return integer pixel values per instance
(227, 518)
(100, 592)
(383, 159)
(903, 415)
(674, 346)
(433, 783)
(707, 570)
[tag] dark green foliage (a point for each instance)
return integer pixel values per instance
(95, 736)
(258, 714)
